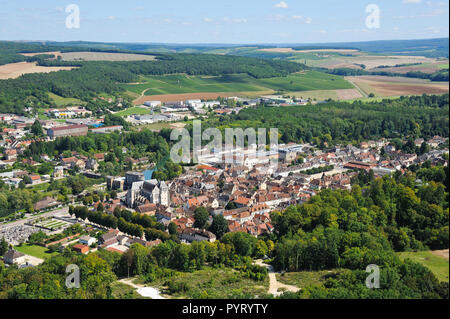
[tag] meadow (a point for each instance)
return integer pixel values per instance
(304, 279)
(62, 101)
(437, 264)
(35, 251)
(133, 111)
(216, 283)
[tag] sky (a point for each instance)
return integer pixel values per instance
(224, 21)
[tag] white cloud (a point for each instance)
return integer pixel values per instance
(282, 5)
(433, 30)
(235, 20)
(207, 20)
(280, 17)
(111, 18)
(411, 1)
(323, 31)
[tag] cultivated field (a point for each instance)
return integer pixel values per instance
(396, 86)
(176, 87)
(15, 70)
(181, 97)
(290, 50)
(55, 53)
(102, 56)
(333, 59)
(428, 68)
(320, 95)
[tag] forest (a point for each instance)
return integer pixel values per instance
(91, 78)
(343, 122)
(441, 75)
(340, 229)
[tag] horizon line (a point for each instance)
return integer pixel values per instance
(228, 44)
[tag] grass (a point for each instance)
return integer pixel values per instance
(124, 291)
(319, 95)
(443, 66)
(438, 265)
(223, 283)
(35, 251)
(62, 101)
(182, 84)
(133, 111)
(303, 279)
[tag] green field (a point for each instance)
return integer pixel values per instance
(133, 111)
(35, 251)
(443, 66)
(124, 291)
(438, 265)
(214, 283)
(62, 101)
(303, 279)
(181, 84)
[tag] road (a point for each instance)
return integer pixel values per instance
(357, 87)
(274, 284)
(64, 210)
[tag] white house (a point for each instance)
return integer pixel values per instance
(87, 240)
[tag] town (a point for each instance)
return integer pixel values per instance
(242, 186)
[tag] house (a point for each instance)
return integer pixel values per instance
(147, 209)
(45, 203)
(79, 248)
(87, 240)
(92, 164)
(193, 234)
(35, 179)
(109, 239)
(14, 257)
(58, 171)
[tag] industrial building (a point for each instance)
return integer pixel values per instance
(71, 130)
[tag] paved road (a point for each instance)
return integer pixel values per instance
(61, 211)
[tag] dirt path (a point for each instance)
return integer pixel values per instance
(143, 290)
(137, 101)
(364, 94)
(274, 284)
(441, 253)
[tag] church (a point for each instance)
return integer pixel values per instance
(156, 192)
